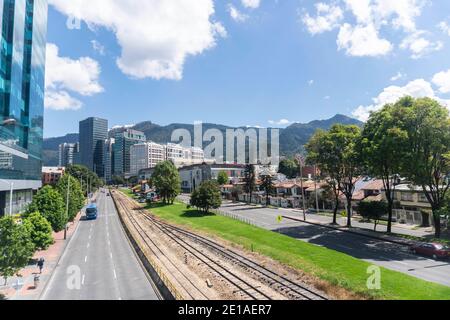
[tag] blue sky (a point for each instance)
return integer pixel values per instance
(240, 62)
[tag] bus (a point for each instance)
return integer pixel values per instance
(91, 212)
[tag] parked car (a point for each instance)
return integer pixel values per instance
(142, 200)
(434, 250)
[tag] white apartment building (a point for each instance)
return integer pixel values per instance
(148, 155)
(145, 155)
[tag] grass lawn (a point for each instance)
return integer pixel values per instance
(329, 265)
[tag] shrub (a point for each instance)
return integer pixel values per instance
(40, 230)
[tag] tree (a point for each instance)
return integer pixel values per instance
(41, 231)
(383, 150)
(289, 167)
(16, 247)
(86, 176)
(373, 210)
(50, 204)
(207, 196)
(267, 185)
(117, 180)
(222, 178)
(76, 196)
(236, 191)
(167, 181)
(427, 162)
(250, 180)
(336, 152)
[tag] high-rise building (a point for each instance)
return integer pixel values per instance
(68, 154)
(23, 33)
(109, 159)
(123, 142)
(93, 133)
(145, 155)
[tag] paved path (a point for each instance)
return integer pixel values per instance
(383, 253)
(99, 263)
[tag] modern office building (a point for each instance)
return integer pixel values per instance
(109, 159)
(123, 142)
(93, 133)
(23, 32)
(145, 155)
(69, 154)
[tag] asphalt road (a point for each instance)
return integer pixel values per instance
(389, 255)
(99, 263)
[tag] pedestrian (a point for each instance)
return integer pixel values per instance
(40, 264)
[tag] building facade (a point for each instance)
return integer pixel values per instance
(145, 155)
(23, 32)
(93, 133)
(69, 154)
(122, 147)
(109, 159)
(51, 175)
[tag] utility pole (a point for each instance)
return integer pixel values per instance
(301, 162)
(67, 205)
(315, 189)
(11, 194)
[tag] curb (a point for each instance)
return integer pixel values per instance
(362, 234)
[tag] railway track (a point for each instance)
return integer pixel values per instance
(184, 239)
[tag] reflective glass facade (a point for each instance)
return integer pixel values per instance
(93, 133)
(23, 26)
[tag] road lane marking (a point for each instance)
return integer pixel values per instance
(82, 281)
(115, 275)
(88, 245)
(85, 259)
(110, 255)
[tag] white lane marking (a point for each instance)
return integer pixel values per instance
(110, 254)
(82, 281)
(115, 275)
(85, 259)
(88, 245)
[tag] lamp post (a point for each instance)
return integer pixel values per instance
(301, 162)
(67, 205)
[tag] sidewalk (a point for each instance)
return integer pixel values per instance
(51, 256)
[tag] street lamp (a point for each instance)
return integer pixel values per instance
(11, 193)
(301, 162)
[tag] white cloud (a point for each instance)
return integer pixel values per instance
(156, 36)
(362, 33)
(442, 80)
(253, 4)
(98, 47)
(64, 74)
(398, 76)
(445, 27)
(236, 15)
(310, 82)
(418, 89)
(282, 122)
(328, 18)
(419, 45)
(362, 41)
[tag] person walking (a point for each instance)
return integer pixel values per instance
(40, 264)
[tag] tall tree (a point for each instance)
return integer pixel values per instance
(76, 197)
(40, 230)
(89, 179)
(250, 180)
(16, 247)
(166, 180)
(383, 150)
(50, 204)
(427, 163)
(267, 185)
(336, 152)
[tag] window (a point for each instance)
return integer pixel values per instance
(423, 198)
(406, 196)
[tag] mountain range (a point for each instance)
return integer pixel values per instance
(292, 138)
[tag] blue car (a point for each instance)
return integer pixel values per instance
(91, 212)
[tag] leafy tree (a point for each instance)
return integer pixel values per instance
(427, 162)
(16, 247)
(207, 196)
(222, 178)
(76, 196)
(383, 150)
(250, 180)
(117, 180)
(267, 185)
(167, 181)
(50, 204)
(289, 167)
(88, 178)
(41, 231)
(236, 191)
(373, 210)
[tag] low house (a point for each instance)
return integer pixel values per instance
(411, 201)
(51, 175)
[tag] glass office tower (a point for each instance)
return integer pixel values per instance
(23, 29)
(123, 142)
(93, 133)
